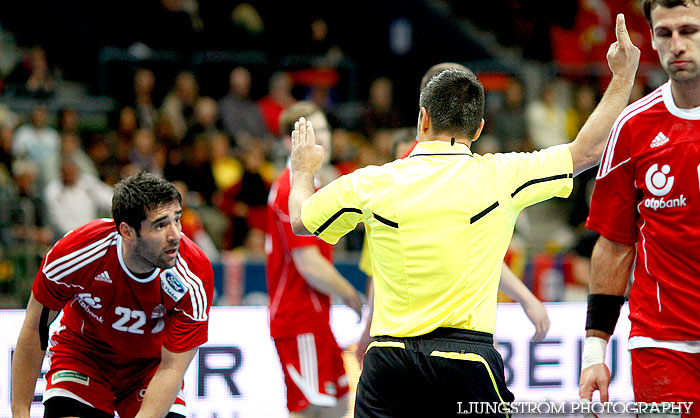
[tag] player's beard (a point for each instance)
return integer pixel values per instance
(154, 256)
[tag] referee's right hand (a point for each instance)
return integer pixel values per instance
(623, 56)
(307, 157)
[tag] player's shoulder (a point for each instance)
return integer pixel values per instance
(280, 187)
(649, 106)
(193, 256)
(93, 236)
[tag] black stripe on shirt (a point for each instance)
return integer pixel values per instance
(334, 217)
(483, 213)
(520, 188)
(385, 221)
(541, 180)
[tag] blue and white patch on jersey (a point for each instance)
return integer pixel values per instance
(172, 285)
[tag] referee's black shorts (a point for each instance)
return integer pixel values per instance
(433, 375)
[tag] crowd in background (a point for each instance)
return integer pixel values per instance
(223, 149)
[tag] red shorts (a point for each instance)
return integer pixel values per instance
(663, 375)
(313, 370)
(105, 391)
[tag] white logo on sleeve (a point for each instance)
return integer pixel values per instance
(658, 181)
(171, 285)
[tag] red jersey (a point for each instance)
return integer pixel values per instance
(114, 316)
(295, 307)
(647, 194)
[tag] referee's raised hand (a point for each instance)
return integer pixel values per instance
(307, 156)
(623, 56)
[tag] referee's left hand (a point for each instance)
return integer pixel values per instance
(307, 157)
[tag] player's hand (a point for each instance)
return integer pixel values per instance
(307, 157)
(535, 310)
(595, 377)
(623, 56)
(355, 302)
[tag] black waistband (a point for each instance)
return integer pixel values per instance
(448, 334)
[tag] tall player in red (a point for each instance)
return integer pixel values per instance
(135, 296)
(300, 278)
(645, 206)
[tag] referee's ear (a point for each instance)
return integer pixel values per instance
(423, 120)
(478, 131)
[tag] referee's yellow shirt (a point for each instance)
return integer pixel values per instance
(438, 226)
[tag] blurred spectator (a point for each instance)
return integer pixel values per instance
(248, 27)
(380, 112)
(323, 46)
(68, 121)
(546, 119)
(197, 169)
(7, 116)
(344, 150)
(29, 214)
(193, 227)
(143, 101)
(76, 198)
(6, 157)
(119, 139)
(240, 115)
(32, 77)
(72, 148)
(227, 170)
(245, 203)
(142, 155)
(39, 143)
(382, 141)
(510, 120)
(178, 105)
(278, 98)
(585, 101)
(104, 160)
(206, 119)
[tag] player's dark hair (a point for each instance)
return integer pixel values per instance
(454, 100)
(648, 5)
(137, 194)
(292, 114)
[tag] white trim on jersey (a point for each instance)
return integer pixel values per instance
(178, 408)
(78, 259)
(120, 256)
(53, 392)
(307, 381)
(198, 296)
(688, 114)
(690, 346)
(629, 112)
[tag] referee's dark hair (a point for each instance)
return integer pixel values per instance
(454, 100)
(135, 195)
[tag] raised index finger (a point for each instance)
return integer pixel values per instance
(621, 30)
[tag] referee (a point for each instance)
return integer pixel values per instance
(438, 226)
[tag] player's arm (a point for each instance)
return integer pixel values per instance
(623, 58)
(166, 383)
(306, 160)
(611, 264)
(322, 275)
(29, 355)
(535, 310)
